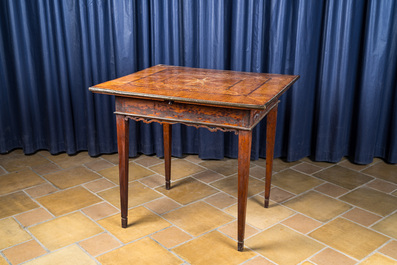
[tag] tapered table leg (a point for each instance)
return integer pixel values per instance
(167, 135)
(270, 139)
(244, 154)
(123, 147)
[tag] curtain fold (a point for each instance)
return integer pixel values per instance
(344, 104)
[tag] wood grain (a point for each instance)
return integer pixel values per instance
(200, 86)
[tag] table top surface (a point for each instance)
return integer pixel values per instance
(200, 86)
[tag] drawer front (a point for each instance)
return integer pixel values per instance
(176, 112)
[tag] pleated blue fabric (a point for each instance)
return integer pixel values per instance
(344, 104)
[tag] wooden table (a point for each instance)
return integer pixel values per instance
(214, 99)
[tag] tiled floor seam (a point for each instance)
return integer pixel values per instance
(379, 248)
(104, 232)
(222, 209)
(5, 258)
(51, 162)
(123, 244)
(171, 249)
(172, 224)
(37, 202)
(369, 228)
(87, 253)
(377, 251)
(146, 236)
(20, 243)
(390, 193)
(35, 239)
(27, 227)
(366, 210)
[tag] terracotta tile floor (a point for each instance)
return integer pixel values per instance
(65, 210)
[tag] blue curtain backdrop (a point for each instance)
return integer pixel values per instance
(344, 104)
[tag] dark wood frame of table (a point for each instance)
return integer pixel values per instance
(240, 119)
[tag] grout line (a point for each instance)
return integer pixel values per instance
(223, 210)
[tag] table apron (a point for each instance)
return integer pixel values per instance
(190, 114)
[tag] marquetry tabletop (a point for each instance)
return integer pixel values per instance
(201, 86)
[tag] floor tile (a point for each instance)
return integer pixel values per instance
(258, 261)
(148, 161)
(330, 256)
(294, 182)
(218, 249)
(388, 226)
(135, 172)
(280, 164)
(67, 161)
(367, 225)
(46, 168)
(19, 180)
(283, 245)
(170, 237)
(99, 185)
(317, 163)
(258, 172)
(21, 161)
(2, 172)
(141, 222)
(343, 177)
(307, 168)
(153, 181)
(221, 200)
(33, 217)
(112, 158)
(261, 217)
(384, 171)
(390, 249)
(318, 206)
(279, 195)
(226, 167)
(99, 244)
(44, 153)
(142, 252)
(138, 194)
(67, 201)
(71, 177)
(23, 252)
(372, 200)
(65, 230)
(15, 203)
(260, 162)
(98, 164)
(349, 238)
(70, 255)
(229, 185)
(231, 230)
(187, 190)
(162, 205)
(41, 190)
(348, 164)
(331, 190)
(378, 259)
(198, 218)
(208, 176)
(194, 159)
(11, 233)
(382, 185)
(179, 169)
(100, 210)
(362, 217)
(302, 223)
